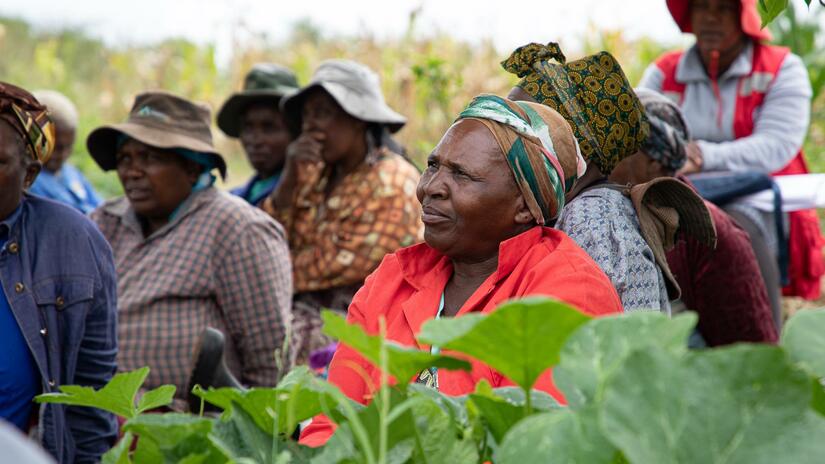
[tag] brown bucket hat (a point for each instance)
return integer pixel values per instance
(158, 119)
(265, 82)
(666, 207)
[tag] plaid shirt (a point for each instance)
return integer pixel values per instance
(340, 238)
(219, 263)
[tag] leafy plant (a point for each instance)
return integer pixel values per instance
(635, 394)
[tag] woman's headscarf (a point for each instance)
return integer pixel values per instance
(29, 118)
(592, 94)
(539, 147)
(668, 130)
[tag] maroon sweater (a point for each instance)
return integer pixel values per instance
(724, 286)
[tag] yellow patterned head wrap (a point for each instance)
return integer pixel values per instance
(592, 94)
(28, 117)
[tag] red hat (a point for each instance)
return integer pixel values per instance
(750, 20)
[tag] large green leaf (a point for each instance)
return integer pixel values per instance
(563, 436)
(741, 404)
(804, 340)
(403, 363)
(442, 441)
(117, 396)
(521, 339)
(173, 437)
(239, 437)
(502, 408)
(598, 348)
(299, 396)
(159, 397)
(770, 9)
(119, 454)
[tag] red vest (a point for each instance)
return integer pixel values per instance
(806, 265)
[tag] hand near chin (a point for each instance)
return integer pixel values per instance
(306, 148)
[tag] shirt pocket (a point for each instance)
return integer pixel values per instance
(63, 303)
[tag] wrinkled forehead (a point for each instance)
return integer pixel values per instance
(471, 143)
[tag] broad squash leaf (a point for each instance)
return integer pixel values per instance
(562, 436)
(117, 396)
(521, 339)
(770, 9)
(739, 404)
(442, 441)
(598, 348)
(173, 437)
(804, 340)
(403, 363)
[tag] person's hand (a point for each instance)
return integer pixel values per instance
(695, 161)
(306, 148)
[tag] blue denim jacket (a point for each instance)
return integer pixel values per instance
(58, 274)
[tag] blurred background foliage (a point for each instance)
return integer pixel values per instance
(427, 79)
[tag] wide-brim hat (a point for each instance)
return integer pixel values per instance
(749, 18)
(354, 86)
(667, 207)
(158, 119)
(265, 83)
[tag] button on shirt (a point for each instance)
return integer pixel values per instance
(19, 380)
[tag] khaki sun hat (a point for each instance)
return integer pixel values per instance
(158, 119)
(265, 82)
(354, 86)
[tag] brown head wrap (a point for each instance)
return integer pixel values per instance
(29, 118)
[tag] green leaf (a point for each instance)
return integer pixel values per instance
(403, 363)
(598, 348)
(117, 396)
(560, 436)
(161, 396)
(119, 454)
(521, 339)
(299, 396)
(173, 437)
(804, 340)
(770, 9)
(739, 404)
(239, 437)
(541, 401)
(441, 439)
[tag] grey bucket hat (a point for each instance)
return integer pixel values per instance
(354, 86)
(158, 119)
(265, 82)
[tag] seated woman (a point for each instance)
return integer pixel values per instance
(187, 255)
(492, 183)
(59, 180)
(595, 97)
(345, 198)
(253, 116)
(722, 285)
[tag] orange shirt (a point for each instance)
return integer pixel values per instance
(407, 286)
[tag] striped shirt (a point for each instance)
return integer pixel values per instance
(219, 263)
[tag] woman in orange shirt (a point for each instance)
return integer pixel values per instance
(495, 180)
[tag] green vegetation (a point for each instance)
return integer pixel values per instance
(635, 394)
(428, 79)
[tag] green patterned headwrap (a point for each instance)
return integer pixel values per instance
(543, 170)
(594, 96)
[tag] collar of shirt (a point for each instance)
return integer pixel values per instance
(422, 265)
(691, 69)
(122, 209)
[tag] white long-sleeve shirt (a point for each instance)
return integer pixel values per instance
(780, 123)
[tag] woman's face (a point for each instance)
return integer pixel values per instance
(155, 181)
(469, 198)
(63, 144)
(342, 135)
(716, 24)
(16, 171)
(264, 136)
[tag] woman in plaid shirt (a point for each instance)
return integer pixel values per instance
(187, 255)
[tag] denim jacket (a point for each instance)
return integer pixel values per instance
(58, 275)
